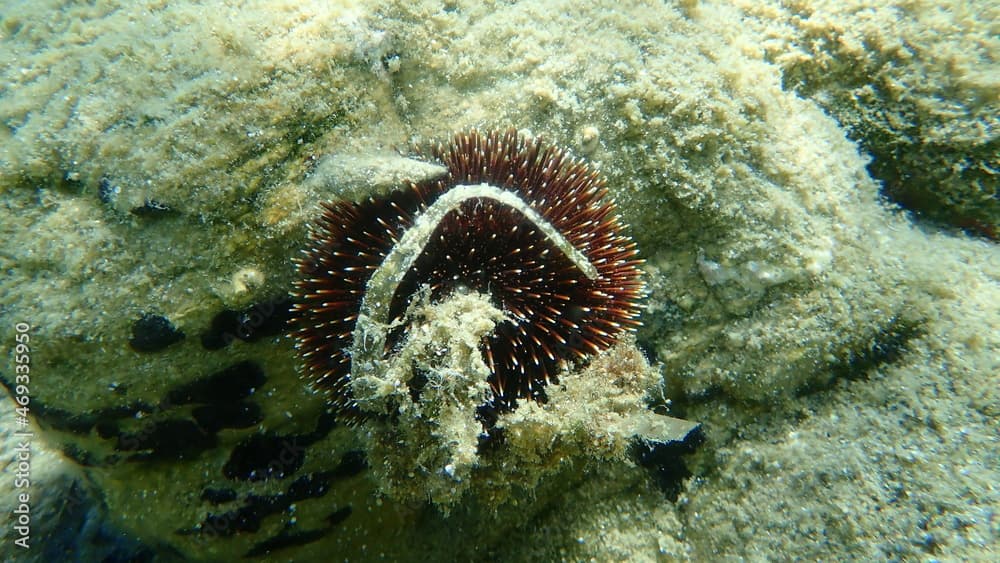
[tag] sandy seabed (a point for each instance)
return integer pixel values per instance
(162, 161)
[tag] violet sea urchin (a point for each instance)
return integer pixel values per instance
(513, 218)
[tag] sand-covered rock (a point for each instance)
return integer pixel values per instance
(915, 83)
(159, 164)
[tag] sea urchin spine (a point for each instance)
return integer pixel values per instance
(513, 218)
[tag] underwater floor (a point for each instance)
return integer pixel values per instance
(617, 281)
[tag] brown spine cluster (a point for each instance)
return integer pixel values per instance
(557, 312)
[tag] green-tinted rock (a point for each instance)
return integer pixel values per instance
(842, 361)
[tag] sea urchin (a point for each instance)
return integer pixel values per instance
(513, 218)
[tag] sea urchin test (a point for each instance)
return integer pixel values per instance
(515, 220)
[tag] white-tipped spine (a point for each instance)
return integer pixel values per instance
(372, 325)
